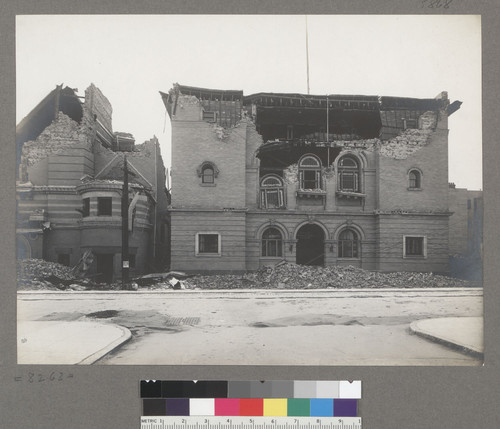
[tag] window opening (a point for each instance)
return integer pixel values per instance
(86, 207)
(272, 242)
(414, 179)
(207, 175)
(348, 244)
(208, 243)
(310, 173)
(348, 174)
(414, 246)
(104, 206)
(272, 193)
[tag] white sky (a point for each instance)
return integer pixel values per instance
(132, 57)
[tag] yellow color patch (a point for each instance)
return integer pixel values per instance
(275, 407)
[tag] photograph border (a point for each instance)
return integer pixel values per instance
(109, 396)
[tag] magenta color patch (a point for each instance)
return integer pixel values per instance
(227, 407)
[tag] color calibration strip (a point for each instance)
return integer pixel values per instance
(171, 422)
(251, 398)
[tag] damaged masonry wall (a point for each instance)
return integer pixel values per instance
(72, 171)
(370, 194)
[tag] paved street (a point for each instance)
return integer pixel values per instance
(313, 327)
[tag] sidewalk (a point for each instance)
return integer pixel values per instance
(67, 343)
(461, 333)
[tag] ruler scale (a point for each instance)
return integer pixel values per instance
(258, 422)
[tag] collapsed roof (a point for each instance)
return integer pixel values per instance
(281, 116)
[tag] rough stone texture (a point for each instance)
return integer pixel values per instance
(292, 276)
(406, 144)
(62, 134)
(97, 104)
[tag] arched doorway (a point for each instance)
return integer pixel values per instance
(310, 245)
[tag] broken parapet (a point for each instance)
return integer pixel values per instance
(405, 144)
(62, 134)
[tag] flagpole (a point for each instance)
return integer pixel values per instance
(307, 57)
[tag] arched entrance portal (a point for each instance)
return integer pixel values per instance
(310, 245)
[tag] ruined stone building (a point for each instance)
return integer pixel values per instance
(318, 180)
(69, 188)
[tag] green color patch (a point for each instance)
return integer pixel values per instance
(299, 407)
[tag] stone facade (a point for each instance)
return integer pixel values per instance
(69, 189)
(366, 187)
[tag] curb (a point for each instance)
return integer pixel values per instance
(414, 329)
(94, 357)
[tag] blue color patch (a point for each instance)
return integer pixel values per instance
(321, 407)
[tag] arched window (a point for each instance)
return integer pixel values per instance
(414, 179)
(271, 192)
(208, 172)
(348, 243)
(310, 172)
(348, 174)
(272, 242)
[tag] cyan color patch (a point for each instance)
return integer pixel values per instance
(321, 407)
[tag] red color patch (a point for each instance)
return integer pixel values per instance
(252, 407)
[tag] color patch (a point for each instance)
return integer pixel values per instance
(252, 407)
(304, 389)
(202, 407)
(321, 407)
(350, 390)
(150, 389)
(154, 407)
(327, 389)
(191, 389)
(238, 389)
(227, 407)
(177, 407)
(261, 389)
(275, 407)
(281, 389)
(345, 407)
(298, 407)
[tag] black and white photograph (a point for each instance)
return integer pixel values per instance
(284, 190)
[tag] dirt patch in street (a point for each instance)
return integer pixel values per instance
(330, 319)
(139, 322)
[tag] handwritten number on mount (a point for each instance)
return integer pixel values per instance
(42, 378)
(436, 4)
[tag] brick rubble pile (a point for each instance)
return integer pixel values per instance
(40, 274)
(292, 276)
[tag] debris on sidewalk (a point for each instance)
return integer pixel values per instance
(39, 274)
(287, 275)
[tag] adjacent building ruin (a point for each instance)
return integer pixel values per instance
(316, 180)
(69, 188)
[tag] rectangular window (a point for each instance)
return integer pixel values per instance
(104, 206)
(272, 247)
(348, 248)
(349, 181)
(310, 180)
(208, 244)
(63, 259)
(414, 246)
(289, 132)
(86, 207)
